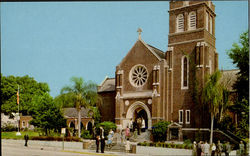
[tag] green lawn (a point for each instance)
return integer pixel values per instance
(12, 135)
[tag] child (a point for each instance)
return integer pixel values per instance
(127, 146)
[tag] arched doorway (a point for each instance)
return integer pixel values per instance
(82, 127)
(72, 125)
(141, 113)
(136, 110)
(90, 127)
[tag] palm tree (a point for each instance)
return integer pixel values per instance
(213, 97)
(84, 94)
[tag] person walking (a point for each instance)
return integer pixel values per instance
(206, 148)
(228, 149)
(26, 138)
(219, 148)
(102, 139)
(241, 146)
(194, 151)
(213, 149)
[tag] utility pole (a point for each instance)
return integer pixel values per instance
(18, 117)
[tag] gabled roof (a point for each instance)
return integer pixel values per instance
(72, 113)
(160, 53)
(107, 85)
(156, 52)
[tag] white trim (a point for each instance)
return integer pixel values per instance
(150, 50)
(182, 72)
(170, 48)
(181, 122)
(134, 106)
(185, 3)
(103, 81)
(120, 72)
(183, 42)
(118, 87)
(179, 18)
(207, 20)
(192, 16)
(211, 24)
(187, 122)
(131, 72)
(143, 94)
(195, 129)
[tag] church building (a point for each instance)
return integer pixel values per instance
(158, 85)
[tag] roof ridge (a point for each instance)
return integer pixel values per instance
(156, 48)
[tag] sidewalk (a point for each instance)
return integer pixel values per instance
(45, 146)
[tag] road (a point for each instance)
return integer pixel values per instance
(12, 149)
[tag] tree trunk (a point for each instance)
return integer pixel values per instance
(79, 123)
(212, 128)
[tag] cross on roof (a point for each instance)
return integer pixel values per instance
(139, 32)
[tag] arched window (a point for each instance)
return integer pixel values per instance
(184, 71)
(180, 23)
(192, 21)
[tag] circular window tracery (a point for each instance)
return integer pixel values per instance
(138, 75)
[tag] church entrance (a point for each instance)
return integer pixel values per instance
(139, 110)
(141, 113)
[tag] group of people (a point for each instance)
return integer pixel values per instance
(138, 124)
(100, 138)
(204, 149)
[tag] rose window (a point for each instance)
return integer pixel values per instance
(138, 75)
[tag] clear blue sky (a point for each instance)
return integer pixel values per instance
(53, 41)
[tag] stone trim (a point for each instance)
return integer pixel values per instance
(195, 129)
(196, 40)
(146, 94)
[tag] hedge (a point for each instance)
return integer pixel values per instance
(55, 138)
(166, 145)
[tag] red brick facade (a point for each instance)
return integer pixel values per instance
(160, 83)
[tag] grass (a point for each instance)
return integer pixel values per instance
(12, 135)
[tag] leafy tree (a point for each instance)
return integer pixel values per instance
(28, 89)
(46, 115)
(80, 94)
(107, 125)
(213, 97)
(240, 56)
(159, 130)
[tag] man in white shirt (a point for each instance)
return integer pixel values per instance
(206, 148)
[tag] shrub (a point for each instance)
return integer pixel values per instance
(188, 141)
(107, 125)
(159, 131)
(8, 127)
(53, 138)
(86, 134)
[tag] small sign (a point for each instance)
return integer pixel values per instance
(63, 131)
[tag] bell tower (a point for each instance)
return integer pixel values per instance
(191, 45)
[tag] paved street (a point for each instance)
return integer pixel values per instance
(14, 149)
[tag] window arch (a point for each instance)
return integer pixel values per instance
(184, 73)
(180, 23)
(192, 21)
